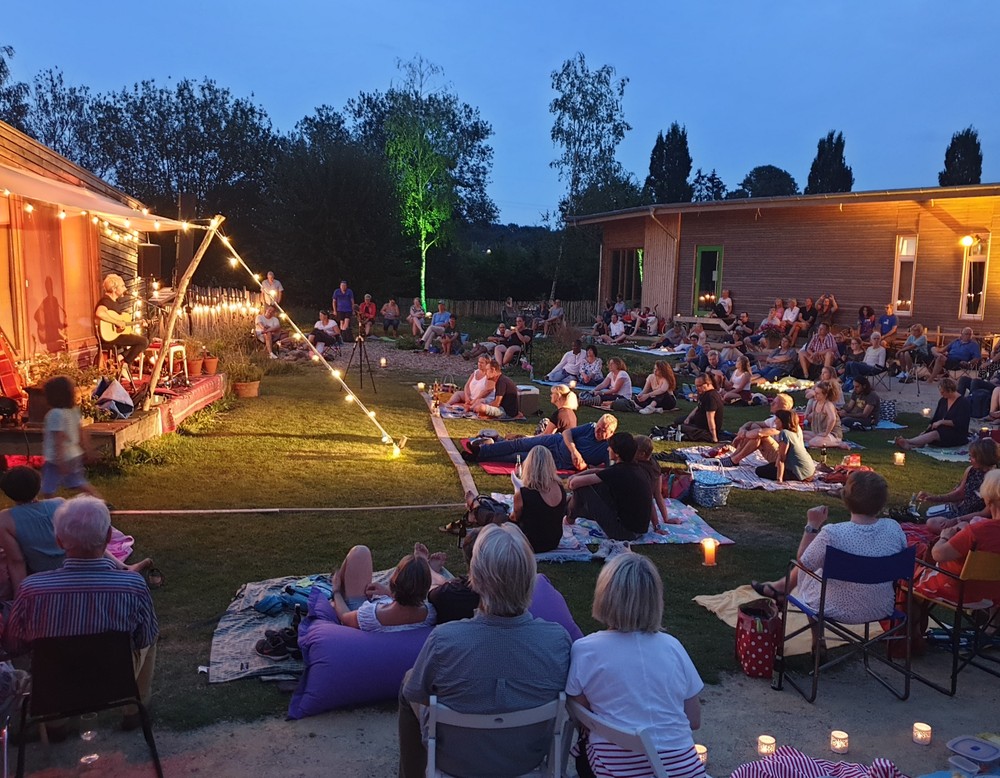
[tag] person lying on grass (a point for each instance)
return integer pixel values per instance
(371, 607)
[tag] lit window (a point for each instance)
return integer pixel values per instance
(974, 267)
(905, 274)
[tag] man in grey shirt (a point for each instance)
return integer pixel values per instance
(501, 660)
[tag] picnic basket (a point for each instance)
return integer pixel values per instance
(710, 490)
(445, 388)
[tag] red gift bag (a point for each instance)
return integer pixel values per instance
(758, 631)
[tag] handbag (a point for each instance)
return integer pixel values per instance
(624, 405)
(676, 486)
(887, 410)
(758, 632)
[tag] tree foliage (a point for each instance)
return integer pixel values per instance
(766, 181)
(13, 94)
(829, 171)
(669, 168)
(64, 118)
(963, 159)
(705, 188)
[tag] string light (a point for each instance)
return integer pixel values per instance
(62, 214)
(28, 207)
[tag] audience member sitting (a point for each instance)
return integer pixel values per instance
(489, 345)
(822, 350)
(454, 599)
(271, 290)
(416, 318)
(873, 363)
(865, 494)
(657, 393)
(758, 435)
(88, 595)
(861, 411)
(713, 367)
(603, 678)
(477, 388)
(592, 368)
(954, 545)
(601, 322)
(825, 430)
(366, 315)
(509, 314)
(616, 331)
(620, 306)
(960, 354)
(536, 322)
(673, 337)
(267, 327)
(704, 423)
(695, 360)
(774, 316)
(854, 351)
(505, 404)
(451, 338)
(390, 317)
(988, 378)
(698, 331)
(506, 352)
(566, 403)
(888, 323)
(617, 383)
(806, 321)
(829, 375)
(791, 315)
(738, 391)
(779, 362)
(723, 309)
(826, 309)
(650, 321)
(436, 328)
(618, 498)
(539, 501)
(644, 459)
(866, 322)
(555, 318)
(464, 663)
(792, 462)
(27, 534)
(965, 501)
(402, 605)
(325, 333)
(950, 424)
(568, 368)
(574, 449)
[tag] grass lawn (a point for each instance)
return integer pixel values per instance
(301, 445)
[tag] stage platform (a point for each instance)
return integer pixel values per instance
(110, 438)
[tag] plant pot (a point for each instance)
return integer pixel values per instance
(211, 366)
(194, 367)
(247, 388)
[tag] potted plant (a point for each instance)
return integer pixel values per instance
(244, 376)
(210, 364)
(193, 356)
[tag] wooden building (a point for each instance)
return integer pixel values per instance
(925, 250)
(61, 230)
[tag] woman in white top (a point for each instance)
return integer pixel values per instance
(416, 318)
(616, 383)
(635, 675)
(739, 382)
(791, 314)
(825, 429)
(657, 393)
(476, 390)
(874, 362)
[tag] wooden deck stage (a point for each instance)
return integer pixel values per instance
(110, 438)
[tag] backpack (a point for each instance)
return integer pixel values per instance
(676, 486)
(485, 510)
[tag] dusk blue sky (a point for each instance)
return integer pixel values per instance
(754, 82)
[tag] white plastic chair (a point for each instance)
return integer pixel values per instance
(637, 740)
(554, 712)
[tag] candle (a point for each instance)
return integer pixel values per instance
(926, 412)
(922, 733)
(765, 745)
(899, 459)
(421, 386)
(838, 742)
(382, 362)
(702, 753)
(708, 546)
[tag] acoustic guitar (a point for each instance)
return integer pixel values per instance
(110, 332)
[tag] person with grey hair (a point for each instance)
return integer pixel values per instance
(501, 660)
(604, 675)
(88, 595)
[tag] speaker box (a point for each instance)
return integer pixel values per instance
(150, 265)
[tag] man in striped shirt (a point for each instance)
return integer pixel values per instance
(87, 595)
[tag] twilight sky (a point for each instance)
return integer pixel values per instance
(754, 82)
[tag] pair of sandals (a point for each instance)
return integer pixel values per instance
(279, 645)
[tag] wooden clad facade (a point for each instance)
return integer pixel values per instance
(862, 247)
(51, 266)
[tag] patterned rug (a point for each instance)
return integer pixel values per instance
(744, 475)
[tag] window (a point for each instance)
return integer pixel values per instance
(707, 279)
(905, 275)
(975, 260)
(626, 274)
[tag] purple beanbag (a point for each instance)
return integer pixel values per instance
(347, 667)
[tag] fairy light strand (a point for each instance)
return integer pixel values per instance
(351, 397)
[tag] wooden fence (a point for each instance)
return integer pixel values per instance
(577, 311)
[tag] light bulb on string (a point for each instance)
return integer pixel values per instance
(349, 398)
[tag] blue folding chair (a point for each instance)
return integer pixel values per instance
(839, 566)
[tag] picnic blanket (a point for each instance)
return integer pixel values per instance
(658, 352)
(787, 762)
(726, 606)
(573, 546)
(889, 425)
(506, 468)
(744, 476)
(958, 454)
(579, 387)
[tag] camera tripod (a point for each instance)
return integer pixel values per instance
(362, 351)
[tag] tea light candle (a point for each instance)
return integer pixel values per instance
(702, 753)
(382, 362)
(922, 733)
(421, 386)
(766, 745)
(708, 546)
(839, 742)
(899, 459)
(926, 412)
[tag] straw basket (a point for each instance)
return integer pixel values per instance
(711, 490)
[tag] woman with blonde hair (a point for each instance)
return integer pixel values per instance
(634, 674)
(825, 429)
(566, 403)
(540, 502)
(657, 393)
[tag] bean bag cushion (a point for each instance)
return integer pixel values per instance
(347, 667)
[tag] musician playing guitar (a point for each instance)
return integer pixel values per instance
(113, 324)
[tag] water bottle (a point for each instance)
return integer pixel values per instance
(678, 435)
(517, 466)
(822, 454)
(914, 505)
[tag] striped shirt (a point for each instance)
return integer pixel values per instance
(83, 597)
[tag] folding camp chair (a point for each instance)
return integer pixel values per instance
(973, 626)
(71, 676)
(839, 566)
(553, 712)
